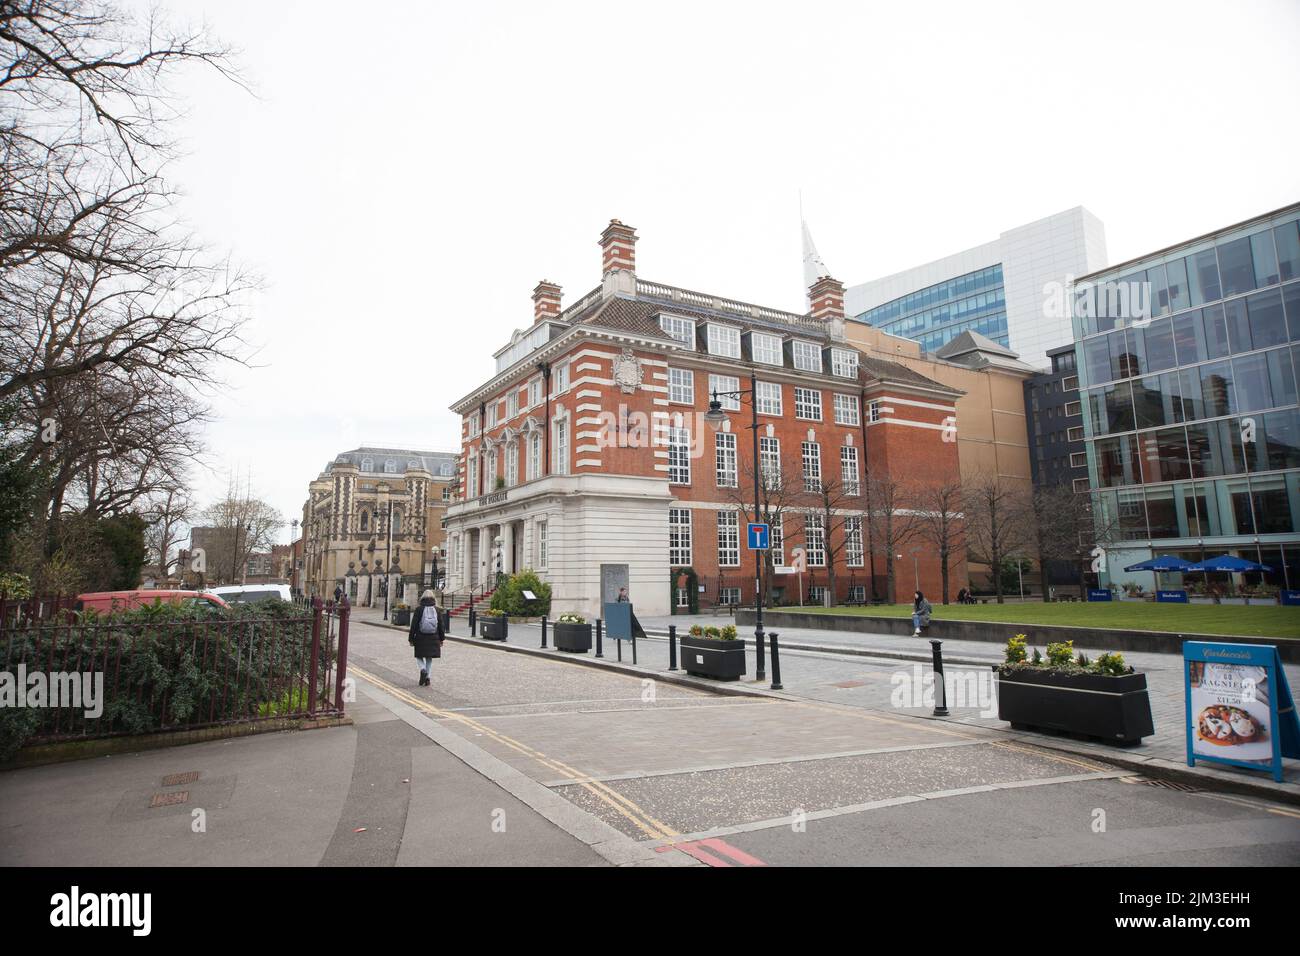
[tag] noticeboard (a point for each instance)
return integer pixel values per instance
(1239, 709)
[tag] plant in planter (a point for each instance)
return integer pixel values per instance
(714, 652)
(572, 633)
(1104, 698)
(402, 614)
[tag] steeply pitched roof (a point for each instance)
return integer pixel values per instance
(970, 341)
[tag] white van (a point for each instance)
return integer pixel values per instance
(252, 593)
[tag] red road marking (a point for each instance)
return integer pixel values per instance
(726, 849)
(695, 850)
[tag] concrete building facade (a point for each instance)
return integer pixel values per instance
(587, 458)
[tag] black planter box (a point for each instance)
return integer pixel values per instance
(402, 618)
(572, 637)
(492, 628)
(711, 657)
(1113, 709)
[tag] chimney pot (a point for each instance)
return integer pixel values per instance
(546, 300)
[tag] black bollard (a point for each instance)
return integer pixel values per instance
(473, 619)
(619, 642)
(633, 646)
(672, 647)
(505, 626)
(940, 690)
(776, 662)
(759, 673)
(543, 632)
(599, 646)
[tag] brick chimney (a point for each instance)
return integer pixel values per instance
(826, 297)
(546, 300)
(618, 258)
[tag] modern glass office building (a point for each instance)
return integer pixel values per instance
(1010, 290)
(1188, 361)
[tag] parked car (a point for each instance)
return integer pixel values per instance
(105, 601)
(252, 593)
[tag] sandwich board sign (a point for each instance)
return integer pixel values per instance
(1239, 708)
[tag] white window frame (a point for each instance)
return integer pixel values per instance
(766, 349)
(777, 550)
(1080, 490)
(854, 553)
(844, 363)
(681, 386)
(512, 404)
(850, 476)
(471, 478)
(814, 539)
(534, 393)
(561, 377)
(679, 537)
(729, 592)
(728, 539)
(679, 455)
(534, 456)
(512, 464)
(725, 383)
(1073, 408)
(1070, 433)
(874, 411)
(683, 598)
(769, 456)
(807, 404)
(846, 409)
(1083, 463)
(807, 356)
(811, 453)
(543, 545)
(724, 340)
(679, 330)
(767, 402)
(727, 469)
(560, 446)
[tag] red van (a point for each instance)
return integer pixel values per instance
(105, 601)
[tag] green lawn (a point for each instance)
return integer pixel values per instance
(1225, 619)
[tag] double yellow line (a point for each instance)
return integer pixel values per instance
(654, 829)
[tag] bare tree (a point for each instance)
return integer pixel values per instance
(894, 522)
(998, 523)
(167, 515)
(241, 525)
(940, 523)
(778, 496)
(837, 505)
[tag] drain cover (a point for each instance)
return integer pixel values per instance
(1171, 785)
(169, 799)
(180, 779)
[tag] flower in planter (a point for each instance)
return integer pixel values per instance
(1015, 652)
(1060, 654)
(729, 632)
(713, 632)
(570, 618)
(696, 631)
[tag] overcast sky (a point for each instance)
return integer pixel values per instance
(405, 173)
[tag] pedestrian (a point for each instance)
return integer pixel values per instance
(426, 634)
(622, 595)
(961, 596)
(920, 613)
(338, 594)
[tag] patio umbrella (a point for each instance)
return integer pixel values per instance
(1226, 562)
(1165, 562)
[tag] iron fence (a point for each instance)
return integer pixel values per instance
(156, 669)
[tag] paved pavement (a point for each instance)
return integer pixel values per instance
(866, 670)
(742, 780)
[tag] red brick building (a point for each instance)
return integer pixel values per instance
(588, 458)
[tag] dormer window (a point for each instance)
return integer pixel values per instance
(412, 464)
(807, 356)
(367, 464)
(844, 363)
(766, 348)
(724, 341)
(679, 329)
(390, 466)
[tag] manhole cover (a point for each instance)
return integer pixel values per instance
(846, 684)
(169, 799)
(1171, 785)
(180, 779)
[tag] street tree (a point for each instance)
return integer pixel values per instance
(894, 522)
(940, 523)
(998, 523)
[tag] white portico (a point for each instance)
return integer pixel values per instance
(573, 530)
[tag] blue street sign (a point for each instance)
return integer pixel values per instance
(760, 536)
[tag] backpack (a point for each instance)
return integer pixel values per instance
(429, 620)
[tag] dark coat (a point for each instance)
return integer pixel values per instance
(425, 645)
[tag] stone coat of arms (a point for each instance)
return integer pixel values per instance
(627, 371)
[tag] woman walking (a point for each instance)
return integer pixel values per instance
(426, 635)
(920, 613)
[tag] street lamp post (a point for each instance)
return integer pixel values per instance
(388, 558)
(716, 416)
